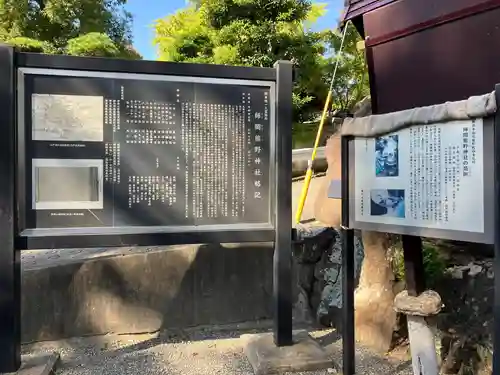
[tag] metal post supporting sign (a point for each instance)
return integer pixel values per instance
(10, 270)
(422, 344)
(282, 267)
(496, 244)
(348, 338)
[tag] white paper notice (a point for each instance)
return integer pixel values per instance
(428, 176)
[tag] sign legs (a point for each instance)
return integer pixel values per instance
(496, 244)
(282, 271)
(496, 306)
(10, 268)
(348, 335)
(422, 344)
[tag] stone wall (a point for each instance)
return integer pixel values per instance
(465, 325)
(142, 290)
(318, 270)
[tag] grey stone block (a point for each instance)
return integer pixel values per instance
(304, 355)
(38, 365)
(142, 291)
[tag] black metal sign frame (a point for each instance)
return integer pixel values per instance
(15, 238)
(412, 247)
(144, 235)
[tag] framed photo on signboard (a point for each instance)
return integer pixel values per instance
(427, 180)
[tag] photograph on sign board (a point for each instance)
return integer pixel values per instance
(386, 156)
(436, 182)
(67, 118)
(67, 184)
(387, 202)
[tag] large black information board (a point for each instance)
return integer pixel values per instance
(119, 150)
(109, 152)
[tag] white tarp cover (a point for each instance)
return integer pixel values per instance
(377, 125)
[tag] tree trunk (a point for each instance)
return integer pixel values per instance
(374, 297)
(375, 317)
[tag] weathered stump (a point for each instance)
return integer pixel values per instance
(375, 317)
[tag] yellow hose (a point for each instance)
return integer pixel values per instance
(307, 180)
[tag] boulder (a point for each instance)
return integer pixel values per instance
(318, 275)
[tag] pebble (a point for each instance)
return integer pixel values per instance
(196, 353)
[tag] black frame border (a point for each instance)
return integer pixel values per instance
(36, 60)
(138, 237)
(280, 229)
(10, 262)
(496, 244)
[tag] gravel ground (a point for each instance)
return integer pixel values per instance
(199, 351)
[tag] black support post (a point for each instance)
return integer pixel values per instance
(282, 265)
(10, 270)
(414, 265)
(496, 226)
(348, 335)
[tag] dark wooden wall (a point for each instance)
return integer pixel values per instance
(423, 52)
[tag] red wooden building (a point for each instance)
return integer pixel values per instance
(423, 52)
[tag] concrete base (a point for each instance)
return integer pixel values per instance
(266, 358)
(91, 292)
(38, 365)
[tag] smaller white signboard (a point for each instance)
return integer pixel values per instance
(429, 176)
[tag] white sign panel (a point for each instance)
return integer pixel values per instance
(428, 176)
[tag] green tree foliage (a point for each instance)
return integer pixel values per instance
(98, 45)
(31, 45)
(258, 33)
(351, 81)
(92, 44)
(89, 27)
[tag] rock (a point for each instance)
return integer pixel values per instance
(466, 321)
(374, 299)
(305, 277)
(363, 108)
(302, 310)
(426, 304)
(320, 283)
(474, 270)
(312, 243)
(328, 211)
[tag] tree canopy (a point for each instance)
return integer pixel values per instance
(234, 32)
(75, 27)
(260, 32)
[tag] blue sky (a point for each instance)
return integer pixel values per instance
(145, 12)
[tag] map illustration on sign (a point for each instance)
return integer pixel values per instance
(67, 118)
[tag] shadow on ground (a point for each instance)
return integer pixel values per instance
(152, 290)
